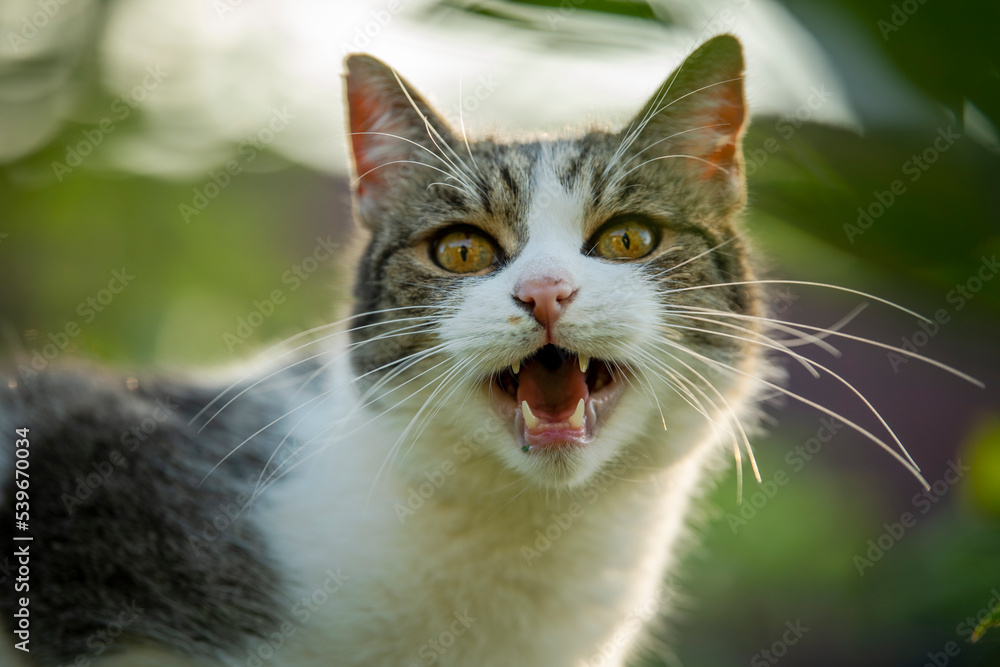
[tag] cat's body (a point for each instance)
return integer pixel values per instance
(417, 513)
(315, 568)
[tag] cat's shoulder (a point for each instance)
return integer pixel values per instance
(129, 515)
(81, 414)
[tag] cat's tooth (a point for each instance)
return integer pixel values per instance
(516, 367)
(584, 363)
(576, 420)
(530, 420)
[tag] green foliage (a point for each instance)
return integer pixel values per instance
(991, 621)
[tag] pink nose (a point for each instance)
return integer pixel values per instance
(546, 297)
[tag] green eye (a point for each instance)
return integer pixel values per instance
(628, 239)
(465, 251)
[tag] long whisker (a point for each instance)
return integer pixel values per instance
(860, 339)
(409, 141)
(297, 336)
(343, 350)
(651, 111)
(691, 259)
(677, 385)
(667, 157)
(416, 162)
(319, 397)
(675, 134)
(435, 136)
(447, 185)
(774, 343)
(809, 363)
(461, 122)
(800, 282)
(410, 361)
(273, 477)
(441, 380)
(860, 429)
(433, 321)
(468, 372)
(806, 339)
(405, 364)
(745, 439)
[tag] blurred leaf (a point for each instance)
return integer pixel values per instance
(984, 478)
(991, 621)
(948, 50)
(837, 186)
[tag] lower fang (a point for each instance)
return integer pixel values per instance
(576, 420)
(530, 420)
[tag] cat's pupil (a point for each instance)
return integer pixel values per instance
(464, 251)
(626, 241)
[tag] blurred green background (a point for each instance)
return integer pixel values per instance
(148, 138)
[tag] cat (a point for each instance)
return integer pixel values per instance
(556, 344)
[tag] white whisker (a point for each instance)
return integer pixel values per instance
(801, 282)
(344, 350)
(297, 336)
(860, 429)
(435, 136)
(812, 365)
(860, 339)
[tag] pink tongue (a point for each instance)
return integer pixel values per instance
(552, 395)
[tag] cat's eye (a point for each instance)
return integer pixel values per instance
(628, 239)
(465, 250)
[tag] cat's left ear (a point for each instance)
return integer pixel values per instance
(699, 115)
(391, 127)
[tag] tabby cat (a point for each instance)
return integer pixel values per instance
(555, 343)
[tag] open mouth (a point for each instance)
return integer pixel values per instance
(556, 397)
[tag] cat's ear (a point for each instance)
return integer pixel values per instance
(390, 125)
(699, 113)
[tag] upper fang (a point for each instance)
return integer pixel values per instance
(516, 367)
(584, 363)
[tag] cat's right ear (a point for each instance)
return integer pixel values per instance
(391, 128)
(698, 117)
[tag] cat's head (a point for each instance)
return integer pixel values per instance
(555, 294)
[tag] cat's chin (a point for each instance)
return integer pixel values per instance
(555, 401)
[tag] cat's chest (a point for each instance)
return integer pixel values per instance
(433, 570)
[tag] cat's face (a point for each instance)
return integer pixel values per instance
(551, 292)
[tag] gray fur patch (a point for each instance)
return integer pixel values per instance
(126, 538)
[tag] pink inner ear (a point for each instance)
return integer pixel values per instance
(717, 145)
(364, 113)
(374, 115)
